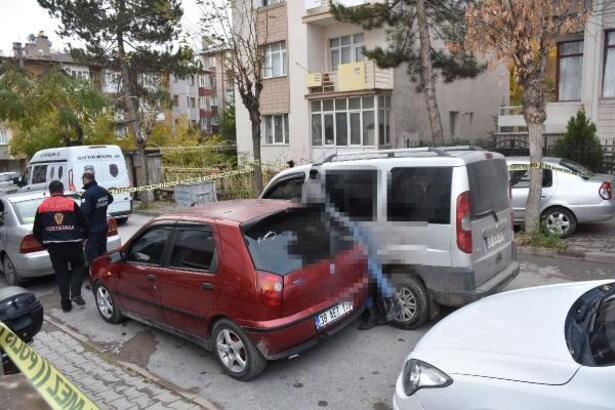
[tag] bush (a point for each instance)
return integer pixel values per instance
(580, 143)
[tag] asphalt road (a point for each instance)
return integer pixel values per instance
(352, 370)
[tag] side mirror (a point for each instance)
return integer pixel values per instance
(117, 256)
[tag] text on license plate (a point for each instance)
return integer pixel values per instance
(331, 315)
(495, 239)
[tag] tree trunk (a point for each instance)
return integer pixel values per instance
(255, 119)
(431, 101)
(532, 216)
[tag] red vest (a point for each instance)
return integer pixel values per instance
(59, 221)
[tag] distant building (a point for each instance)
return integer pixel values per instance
(219, 90)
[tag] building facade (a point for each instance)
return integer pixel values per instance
(321, 95)
(220, 83)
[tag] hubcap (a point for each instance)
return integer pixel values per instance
(231, 351)
(407, 303)
(104, 302)
(557, 223)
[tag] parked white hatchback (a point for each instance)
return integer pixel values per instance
(550, 347)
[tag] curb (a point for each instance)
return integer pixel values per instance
(569, 253)
(191, 397)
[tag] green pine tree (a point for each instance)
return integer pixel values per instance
(580, 143)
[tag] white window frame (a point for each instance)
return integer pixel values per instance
(355, 47)
(266, 3)
(4, 136)
(268, 123)
(270, 51)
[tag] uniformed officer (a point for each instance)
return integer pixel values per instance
(61, 227)
(94, 205)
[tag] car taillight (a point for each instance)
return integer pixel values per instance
(29, 244)
(606, 191)
(464, 223)
(71, 182)
(270, 287)
(111, 227)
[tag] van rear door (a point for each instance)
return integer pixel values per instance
(491, 213)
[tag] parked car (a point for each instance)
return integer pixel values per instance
(442, 219)
(21, 255)
(7, 182)
(251, 280)
(571, 194)
(68, 164)
(550, 347)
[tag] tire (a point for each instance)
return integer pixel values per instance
(230, 343)
(106, 304)
(10, 274)
(413, 300)
(559, 221)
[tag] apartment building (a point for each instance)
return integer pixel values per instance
(220, 82)
(581, 76)
(321, 95)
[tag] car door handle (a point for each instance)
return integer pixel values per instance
(151, 278)
(207, 286)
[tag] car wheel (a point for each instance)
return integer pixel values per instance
(559, 221)
(235, 352)
(413, 302)
(106, 304)
(10, 274)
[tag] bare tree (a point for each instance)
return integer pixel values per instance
(240, 28)
(521, 33)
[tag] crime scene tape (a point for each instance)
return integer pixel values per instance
(192, 180)
(542, 165)
(57, 391)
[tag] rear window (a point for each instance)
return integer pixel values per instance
(488, 186)
(576, 167)
(26, 210)
(353, 192)
(287, 241)
(420, 194)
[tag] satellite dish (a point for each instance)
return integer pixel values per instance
(31, 37)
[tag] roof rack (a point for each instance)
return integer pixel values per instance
(397, 153)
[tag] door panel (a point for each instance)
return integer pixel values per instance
(520, 183)
(192, 282)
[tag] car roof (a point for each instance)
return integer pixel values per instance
(234, 211)
(548, 160)
(28, 196)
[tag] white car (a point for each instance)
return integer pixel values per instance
(550, 347)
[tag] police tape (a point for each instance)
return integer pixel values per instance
(542, 165)
(57, 391)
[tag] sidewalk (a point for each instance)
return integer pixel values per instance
(109, 385)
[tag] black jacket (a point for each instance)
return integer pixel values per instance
(58, 219)
(94, 205)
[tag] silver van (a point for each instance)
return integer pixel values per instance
(441, 216)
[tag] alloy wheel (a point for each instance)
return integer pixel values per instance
(231, 351)
(557, 223)
(407, 303)
(104, 302)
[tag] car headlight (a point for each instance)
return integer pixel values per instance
(418, 374)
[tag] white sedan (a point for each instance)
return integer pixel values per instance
(550, 347)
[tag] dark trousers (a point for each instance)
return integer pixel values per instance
(67, 261)
(95, 246)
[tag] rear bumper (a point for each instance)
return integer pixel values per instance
(594, 213)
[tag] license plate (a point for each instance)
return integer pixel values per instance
(495, 239)
(335, 313)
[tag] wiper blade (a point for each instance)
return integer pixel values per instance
(489, 211)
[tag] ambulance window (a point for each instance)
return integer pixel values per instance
(60, 172)
(52, 173)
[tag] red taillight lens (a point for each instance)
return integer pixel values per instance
(606, 191)
(111, 227)
(464, 223)
(270, 287)
(29, 244)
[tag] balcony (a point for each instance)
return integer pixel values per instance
(511, 121)
(362, 76)
(317, 11)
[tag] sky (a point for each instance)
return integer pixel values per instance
(20, 18)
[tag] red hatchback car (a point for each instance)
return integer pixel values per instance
(251, 280)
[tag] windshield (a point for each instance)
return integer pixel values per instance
(25, 210)
(590, 327)
(288, 241)
(576, 167)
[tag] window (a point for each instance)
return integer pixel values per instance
(192, 102)
(192, 80)
(265, 3)
(52, 173)
(347, 49)
(187, 101)
(287, 189)
(214, 101)
(521, 178)
(384, 126)
(206, 81)
(39, 175)
(488, 187)
(176, 100)
(60, 172)
(149, 248)
(202, 101)
(214, 121)
(194, 248)
(4, 136)
(353, 192)
(570, 70)
(453, 119)
(608, 82)
(276, 129)
(420, 194)
(275, 60)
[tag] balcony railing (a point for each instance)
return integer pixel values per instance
(365, 75)
(512, 121)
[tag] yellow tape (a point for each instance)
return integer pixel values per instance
(57, 391)
(541, 165)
